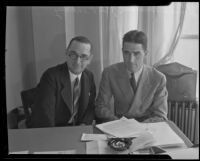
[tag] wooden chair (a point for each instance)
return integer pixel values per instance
(28, 97)
(15, 116)
(182, 103)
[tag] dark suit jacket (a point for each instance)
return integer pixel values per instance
(53, 104)
(149, 101)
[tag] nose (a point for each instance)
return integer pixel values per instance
(78, 60)
(132, 58)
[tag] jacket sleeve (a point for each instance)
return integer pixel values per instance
(102, 110)
(159, 106)
(43, 112)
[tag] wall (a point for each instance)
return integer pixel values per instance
(86, 22)
(35, 40)
(49, 37)
(20, 64)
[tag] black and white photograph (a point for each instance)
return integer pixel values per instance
(103, 80)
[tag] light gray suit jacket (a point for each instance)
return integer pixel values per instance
(148, 103)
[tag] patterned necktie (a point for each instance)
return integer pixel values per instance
(133, 82)
(76, 93)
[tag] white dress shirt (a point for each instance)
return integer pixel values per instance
(136, 74)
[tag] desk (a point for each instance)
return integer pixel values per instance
(48, 139)
(59, 138)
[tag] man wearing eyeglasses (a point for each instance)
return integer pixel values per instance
(66, 92)
(139, 91)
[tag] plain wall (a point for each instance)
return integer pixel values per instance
(87, 24)
(19, 55)
(49, 37)
(35, 41)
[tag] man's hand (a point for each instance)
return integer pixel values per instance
(153, 119)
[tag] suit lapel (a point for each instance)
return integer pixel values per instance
(142, 91)
(124, 84)
(66, 90)
(84, 97)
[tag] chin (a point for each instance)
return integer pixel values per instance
(77, 71)
(132, 69)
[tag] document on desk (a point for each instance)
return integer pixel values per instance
(90, 137)
(161, 131)
(122, 128)
(163, 134)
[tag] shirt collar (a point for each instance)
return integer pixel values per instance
(74, 76)
(136, 74)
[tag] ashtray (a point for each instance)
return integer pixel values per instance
(120, 144)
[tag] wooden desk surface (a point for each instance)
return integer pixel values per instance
(48, 139)
(59, 138)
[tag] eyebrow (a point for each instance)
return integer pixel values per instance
(79, 53)
(132, 51)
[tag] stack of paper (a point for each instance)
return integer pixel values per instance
(163, 134)
(161, 131)
(122, 128)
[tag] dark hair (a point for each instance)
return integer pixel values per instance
(81, 39)
(136, 36)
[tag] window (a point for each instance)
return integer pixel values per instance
(187, 49)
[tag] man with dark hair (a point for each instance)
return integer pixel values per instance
(139, 91)
(66, 92)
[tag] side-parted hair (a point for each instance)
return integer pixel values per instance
(81, 39)
(136, 36)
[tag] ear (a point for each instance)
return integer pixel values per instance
(90, 59)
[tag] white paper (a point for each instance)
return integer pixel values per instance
(92, 147)
(145, 140)
(161, 131)
(90, 137)
(20, 152)
(163, 134)
(57, 152)
(190, 153)
(122, 128)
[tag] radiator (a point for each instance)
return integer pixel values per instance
(185, 114)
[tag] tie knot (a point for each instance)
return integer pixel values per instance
(76, 81)
(132, 75)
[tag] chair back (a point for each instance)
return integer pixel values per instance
(181, 81)
(28, 98)
(183, 108)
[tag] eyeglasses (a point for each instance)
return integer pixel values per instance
(75, 56)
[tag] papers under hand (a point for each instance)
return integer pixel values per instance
(122, 128)
(163, 134)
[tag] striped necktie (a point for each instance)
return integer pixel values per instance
(133, 82)
(76, 94)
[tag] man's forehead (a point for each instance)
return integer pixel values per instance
(132, 46)
(80, 46)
